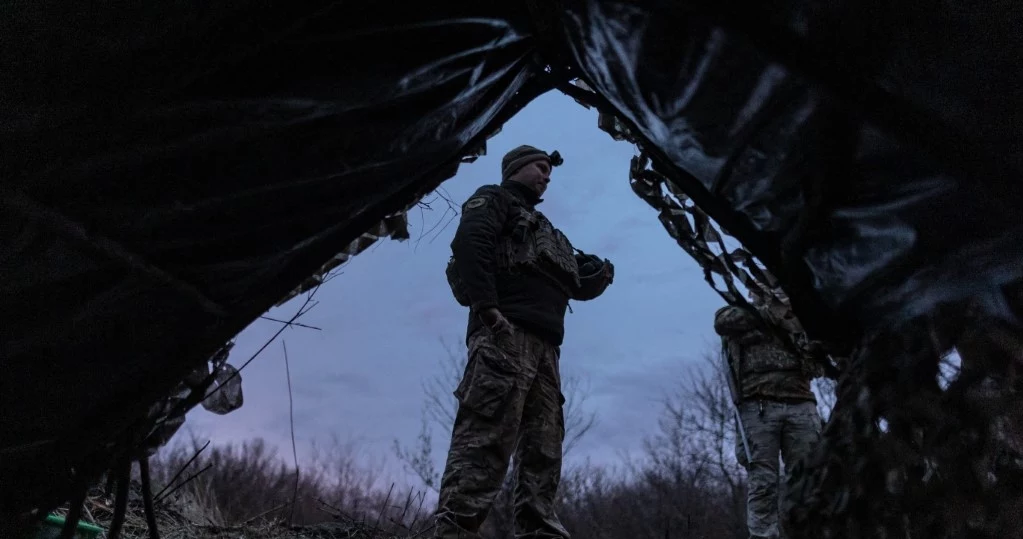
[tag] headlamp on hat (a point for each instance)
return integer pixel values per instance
(524, 155)
(556, 159)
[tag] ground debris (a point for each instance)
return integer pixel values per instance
(182, 519)
(350, 530)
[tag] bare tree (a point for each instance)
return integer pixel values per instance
(697, 439)
(235, 484)
(578, 421)
(441, 405)
(688, 482)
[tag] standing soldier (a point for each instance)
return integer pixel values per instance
(776, 410)
(516, 273)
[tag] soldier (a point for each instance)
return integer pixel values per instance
(776, 410)
(516, 273)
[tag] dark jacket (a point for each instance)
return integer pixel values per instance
(529, 300)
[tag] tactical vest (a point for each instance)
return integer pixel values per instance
(528, 241)
(534, 244)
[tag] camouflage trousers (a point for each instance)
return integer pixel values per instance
(510, 408)
(772, 428)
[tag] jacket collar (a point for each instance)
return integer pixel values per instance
(522, 192)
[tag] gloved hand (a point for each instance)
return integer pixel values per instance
(609, 271)
(595, 275)
(591, 265)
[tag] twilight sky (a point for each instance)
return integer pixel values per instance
(382, 321)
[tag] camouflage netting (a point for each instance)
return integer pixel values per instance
(171, 171)
(917, 446)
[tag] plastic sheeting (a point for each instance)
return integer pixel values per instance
(724, 271)
(219, 392)
(170, 171)
(873, 163)
(393, 226)
(870, 160)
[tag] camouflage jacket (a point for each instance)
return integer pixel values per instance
(765, 368)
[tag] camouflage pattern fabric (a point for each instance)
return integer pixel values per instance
(542, 248)
(510, 406)
(696, 234)
(773, 427)
(938, 469)
(764, 367)
(777, 409)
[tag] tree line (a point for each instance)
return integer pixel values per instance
(686, 482)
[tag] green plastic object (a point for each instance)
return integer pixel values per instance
(50, 529)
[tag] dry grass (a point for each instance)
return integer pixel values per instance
(249, 482)
(686, 485)
(190, 517)
(247, 491)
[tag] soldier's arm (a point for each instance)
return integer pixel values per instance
(731, 321)
(483, 216)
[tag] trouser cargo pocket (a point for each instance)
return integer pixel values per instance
(489, 377)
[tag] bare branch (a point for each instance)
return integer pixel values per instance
(291, 422)
(297, 324)
(419, 459)
(578, 421)
(451, 212)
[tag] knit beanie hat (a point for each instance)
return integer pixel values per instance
(520, 157)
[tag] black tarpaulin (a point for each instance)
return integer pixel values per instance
(870, 168)
(170, 171)
(870, 156)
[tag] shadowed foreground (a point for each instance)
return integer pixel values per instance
(189, 519)
(172, 170)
